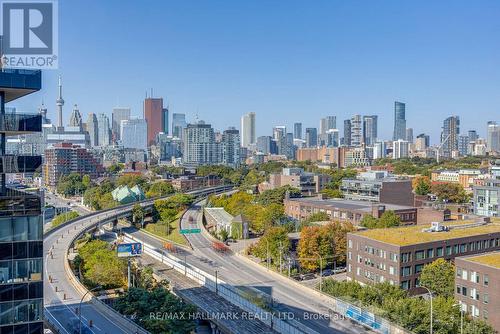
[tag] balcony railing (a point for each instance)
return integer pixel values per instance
(19, 164)
(15, 202)
(18, 123)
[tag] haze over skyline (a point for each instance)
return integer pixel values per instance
(287, 62)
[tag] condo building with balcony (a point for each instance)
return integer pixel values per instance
(21, 229)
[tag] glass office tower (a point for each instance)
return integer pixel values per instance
(21, 227)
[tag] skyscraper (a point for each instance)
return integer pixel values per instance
(104, 135)
(165, 120)
(199, 144)
(297, 130)
(117, 116)
(21, 226)
(59, 104)
(356, 130)
(153, 114)
(75, 118)
(93, 129)
(409, 135)
(264, 144)
(279, 132)
(231, 147)
(399, 121)
(347, 132)
(472, 135)
(178, 124)
(493, 137)
(449, 136)
(423, 141)
(370, 132)
(332, 138)
(311, 137)
(463, 145)
(134, 133)
(248, 129)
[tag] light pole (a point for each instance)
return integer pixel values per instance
(267, 253)
(80, 308)
(320, 273)
(430, 294)
(459, 304)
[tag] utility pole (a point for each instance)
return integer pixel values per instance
(281, 254)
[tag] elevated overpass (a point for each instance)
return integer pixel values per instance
(63, 291)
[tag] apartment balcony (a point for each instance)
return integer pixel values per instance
(19, 203)
(14, 124)
(19, 164)
(17, 83)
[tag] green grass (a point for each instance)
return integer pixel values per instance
(160, 229)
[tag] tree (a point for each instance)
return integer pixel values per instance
(421, 185)
(274, 240)
(317, 217)
(101, 265)
(439, 277)
(64, 217)
(160, 189)
(277, 195)
(138, 213)
(369, 221)
(142, 303)
(389, 219)
(86, 181)
(450, 192)
(332, 193)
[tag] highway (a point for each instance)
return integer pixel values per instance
(306, 307)
(62, 297)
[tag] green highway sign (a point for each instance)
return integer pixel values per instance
(190, 231)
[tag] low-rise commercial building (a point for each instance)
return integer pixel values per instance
(307, 183)
(464, 177)
(379, 186)
(218, 220)
(397, 255)
(186, 183)
(476, 286)
(345, 210)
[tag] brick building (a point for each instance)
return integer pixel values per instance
(345, 210)
(397, 255)
(65, 158)
(477, 284)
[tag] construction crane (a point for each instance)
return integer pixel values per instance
(438, 149)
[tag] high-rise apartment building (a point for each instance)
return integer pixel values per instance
(164, 120)
(425, 141)
(449, 136)
(104, 135)
(493, 137)
(178, 124)
(463, 145)
(356, 130)
(327, 123)
(473, 136)
(248, 129)
(399, 121)
(370, 131)
(279, 132)
(117, 116)
(231, 147)
(409, 135)
(92, 129)
(21, 227)
(63, 159)
(199, 144)
(379, 150)
(347, 132)
(264, 144)
(400, 149)
(134, 133)
(297, 130)
(153, 114)
(311, 137)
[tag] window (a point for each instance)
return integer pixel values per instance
(464, 274)
(485, 314)
(464, 291)
(486, 280)
(448, 250)
(350, 243)
(420, 255)
(405, 257)
(391, 270)
(405, 285)
(455, 249)
(406, 271)
(463, 248)
(458, 289)
(439, 251)
(486, 298)
(430, 253)
(418, 268)
(459, 272)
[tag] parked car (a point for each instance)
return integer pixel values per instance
(339, 270)
(308, 276)
(327, 272)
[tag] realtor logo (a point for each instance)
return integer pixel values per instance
(29, 34)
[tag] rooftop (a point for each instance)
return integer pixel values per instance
(404, 236)
(488, 259)
(220, 215)
(347, 204)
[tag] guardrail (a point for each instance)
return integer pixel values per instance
(224, 290)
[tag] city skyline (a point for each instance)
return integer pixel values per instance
(281, 71)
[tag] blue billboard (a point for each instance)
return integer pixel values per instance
(130, 249)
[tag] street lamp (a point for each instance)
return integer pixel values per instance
(80, 308)
(430, 294)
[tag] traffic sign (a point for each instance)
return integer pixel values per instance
(190, 231)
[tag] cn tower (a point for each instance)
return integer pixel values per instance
(59, 104)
